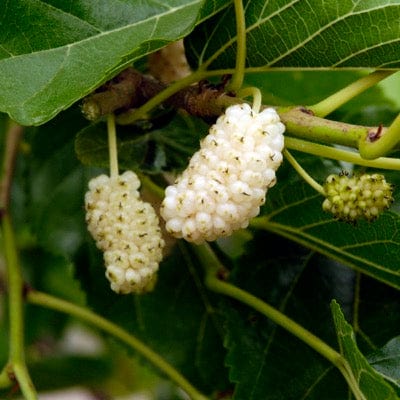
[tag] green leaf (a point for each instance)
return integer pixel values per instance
(52, 53)
(263, 357)
(386, 360)
(305, 34)
(370, 382)
(178, 320)
(294, 211)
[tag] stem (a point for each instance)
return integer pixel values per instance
(16, 359)
(212, 266)
(237, 78)
(303, 173)
(300, 122)
(374, 146)
(99, 322)
(14, 134)
(257, 97)
(5, 377)
(341, 97)
(210, 102)
(340, 154)
(141, 112)
(16, 311)
(112, 146)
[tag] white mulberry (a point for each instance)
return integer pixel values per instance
(226, 181)
(352, 198)
(126, 229)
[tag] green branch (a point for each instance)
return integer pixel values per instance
(300, 122)
(112, 329)
(15, 370)
(14, 133)
(382, 142)
(16, 360)
(213, 266)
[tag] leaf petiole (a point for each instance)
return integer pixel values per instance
(213, 266)
(238, 76)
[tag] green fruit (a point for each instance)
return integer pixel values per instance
(357, 197)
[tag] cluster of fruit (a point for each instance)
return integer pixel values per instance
(222, 188)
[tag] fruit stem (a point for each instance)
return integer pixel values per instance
(238, 76)
(112, 145)
(54, 303)
(342, 96)
(255, 93)
(303, 173)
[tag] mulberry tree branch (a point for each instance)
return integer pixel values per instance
(132, 95)
(15, 370)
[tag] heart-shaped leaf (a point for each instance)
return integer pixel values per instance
(305, 34)
(295, 212)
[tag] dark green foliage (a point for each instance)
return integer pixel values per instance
(298, 259)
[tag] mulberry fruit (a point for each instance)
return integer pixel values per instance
(226, 181)
(353, 198)
(126, 229)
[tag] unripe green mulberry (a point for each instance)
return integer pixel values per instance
(126, 229)
(357, 197)
(227, 179)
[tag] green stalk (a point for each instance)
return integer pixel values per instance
(112, 145)
(303, 173)
(212, 266)
(255, 93)
(103, 324)
(383, 144)
(340, 154)
(142, 112)
(238, 76)
(16, 312)
(342, 96)
(301, 123)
